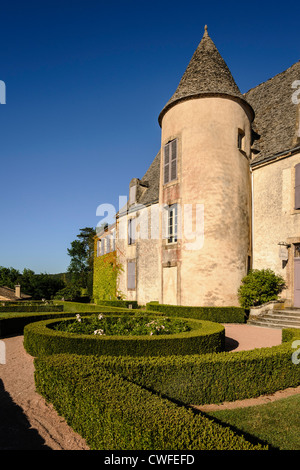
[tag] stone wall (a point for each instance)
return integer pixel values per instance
(274, 218)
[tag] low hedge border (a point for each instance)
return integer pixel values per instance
(215, 314)
(31, 308)
(114, 414)
(118, 303)
(12, 324)
(217, 377)
(40, 339)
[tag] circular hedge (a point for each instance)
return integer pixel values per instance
(204, 337)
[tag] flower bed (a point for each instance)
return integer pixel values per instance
(47, 337)
(123, 325)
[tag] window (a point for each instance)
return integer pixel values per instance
(108, 244)
(131, 275)
(102, 246)
(172, 224)
(170, 161)
(113, 240)
(241, 140)
(297, 186)
(131, 231)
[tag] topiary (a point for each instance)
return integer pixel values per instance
(259, 287)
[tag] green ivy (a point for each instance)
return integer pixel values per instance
(106, 271)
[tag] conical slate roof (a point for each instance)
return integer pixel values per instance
(206, 74)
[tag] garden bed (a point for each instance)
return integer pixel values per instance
(46, 337)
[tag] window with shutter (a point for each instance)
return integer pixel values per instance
(170, 161)
(131, 275)
(297, 186)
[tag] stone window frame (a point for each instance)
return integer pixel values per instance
(172, 216)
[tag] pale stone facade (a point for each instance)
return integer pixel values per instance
(276, 223)
(219, 197)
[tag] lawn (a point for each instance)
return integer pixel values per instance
(277, 423)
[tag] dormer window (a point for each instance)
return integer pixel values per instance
(170, 161)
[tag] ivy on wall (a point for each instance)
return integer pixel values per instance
(106, 271)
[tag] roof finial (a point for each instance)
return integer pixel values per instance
(205, 30)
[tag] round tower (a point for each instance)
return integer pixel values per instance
(205, 186)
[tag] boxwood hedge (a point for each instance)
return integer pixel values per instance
(204, 337)
(215, 314)
(217, 377)
(118, 303)
(114, 414)
(31, 308)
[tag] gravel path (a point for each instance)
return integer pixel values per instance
(27, 422)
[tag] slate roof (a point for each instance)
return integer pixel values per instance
(10, 294)
(147, 188)
(276, 116)
(206, 74)
(150, 184)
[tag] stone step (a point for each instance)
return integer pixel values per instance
(290, 312)
(266, 325)
(268, 321)
(281, 316)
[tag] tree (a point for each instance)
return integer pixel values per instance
(82, 257)
(38, 286)
(259, 287)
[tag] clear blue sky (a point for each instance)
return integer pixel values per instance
(86, 81)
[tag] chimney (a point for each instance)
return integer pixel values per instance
(18, 291)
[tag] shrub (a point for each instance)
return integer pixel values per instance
(215, 314)
(114, 414)
(259, 287)
(124, 325)
(31, 308)
(214, 378)
(40, 338)
(118, 303)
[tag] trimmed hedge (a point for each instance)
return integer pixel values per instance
(118, 303)
(214, 378)
(31, 308)
(114, 414)
(215, 314)
(12, 324)
(204, 337)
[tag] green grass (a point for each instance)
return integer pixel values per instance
(277, 423)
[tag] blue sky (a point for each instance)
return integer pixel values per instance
(85, 83)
